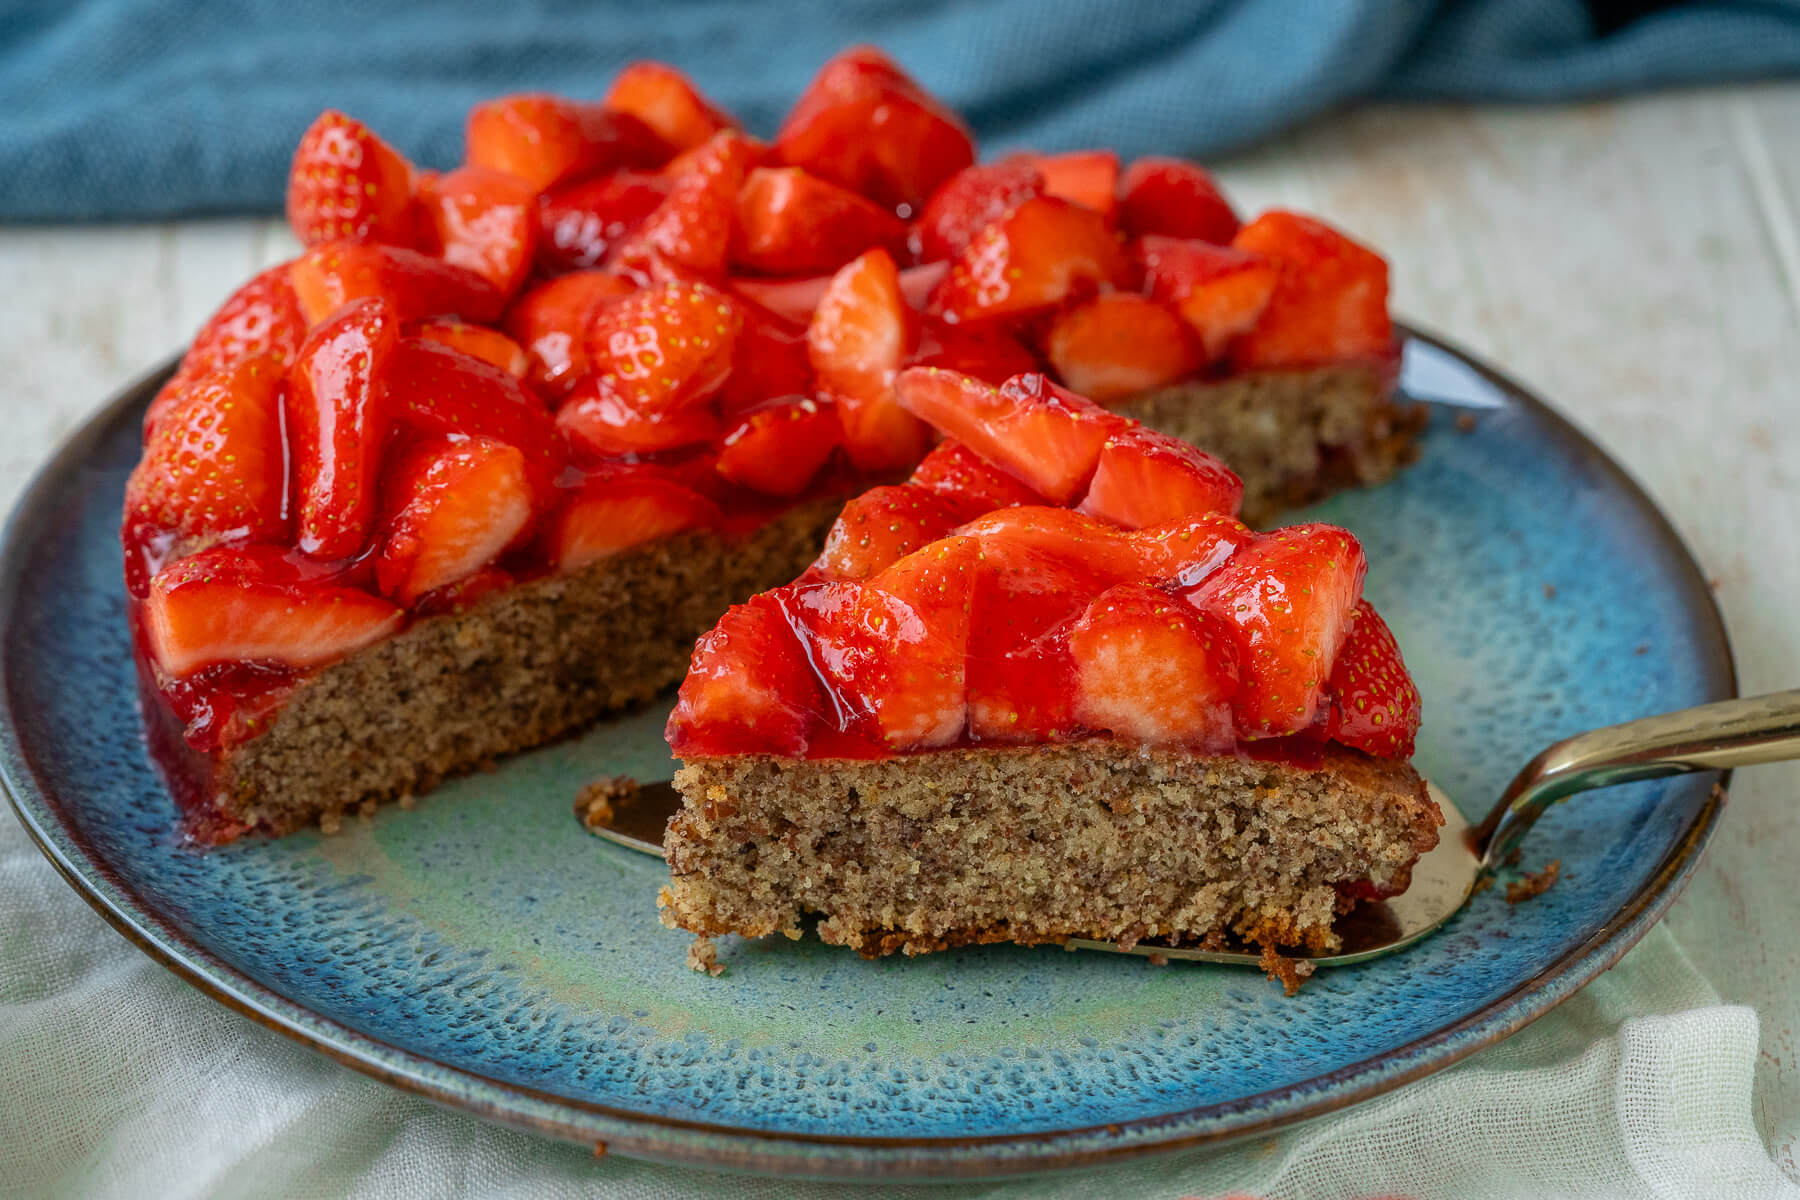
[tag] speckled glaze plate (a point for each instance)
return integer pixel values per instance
(481, 950)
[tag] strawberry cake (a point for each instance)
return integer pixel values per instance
(479, 464)
(1049, 687)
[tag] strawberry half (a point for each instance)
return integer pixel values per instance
(1089, 178)
(546, 140)
(668, 102)
(748, 689)
(1183, 552)
(1374, 702)
(1020, 676)
(880, 527)
(453, 506)
(1221, 292)
(1148, 478)
(598, 420)
(791, 223)
(1104, 553)
(1177, 199)
(1330, 303)
(214, 466)
(253, 604)
(692, 227)
(863, 124)
(778, 448)
(436, 390)
(970, 201)
(415, 285)
(346, 184)
(1035, 257)
(1150, 668)
(621, 508)
(477, 341)
(1117, 345)
(770, 361)
(666, 347)
(969, 484)
(988, 352)
(260, 320)
(338, 417)
(484, 221)
(1288, 597)
(551, 322)
(1044, 435)
(579, 223)
(857, 340)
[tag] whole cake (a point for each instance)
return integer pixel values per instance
(1050, 687)
(480, 463)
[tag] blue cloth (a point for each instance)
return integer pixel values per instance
(145, 108)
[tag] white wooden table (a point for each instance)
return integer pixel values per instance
(1637, 262)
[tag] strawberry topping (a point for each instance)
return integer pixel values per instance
(1375, 704)
(346, 184)
(338, 415)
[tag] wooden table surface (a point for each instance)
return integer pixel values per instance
(1637, 262)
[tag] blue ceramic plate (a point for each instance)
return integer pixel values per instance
(482, 951)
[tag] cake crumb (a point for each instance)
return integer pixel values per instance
(1482, 883)
(1535, 883)
(598, 803)
(704, 956)
(1641, 649)
(1290, 973)
(331, 821)
(1549, 591)
(408, 801)
(1158, 960)
(367, 808)
(1465, 422)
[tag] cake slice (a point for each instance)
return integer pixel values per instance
(476, 467)
(1050, 687)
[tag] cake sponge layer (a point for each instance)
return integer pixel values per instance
(1039, 844)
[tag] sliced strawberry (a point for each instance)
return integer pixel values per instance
(959, 476)
(1035, 257)
(1044, 435)
(692, 227)
(1375, 704)
(1151, 668)
(778, 448)
(668, 102)
(880, 527)
(798, 299)
(892, 651)
(1288, 596)
(1221, 292)
(1172, 198)
(415, 285)
(1020, 675)
(437, 390)
(988, 352)
(579, 223)
(970, 201)
(261, 320)
(1148, 478)
(253, 604)
(546, 140)
(792, 223)
(1330, 304)
(477, 341)
(551, 322)
(1183, 552)
(346, 184)
(666, 347)
(769, 361)
(863, 124)
(1089, 178)
(213, 467)
(1117, 345)
(453, 506)
(748, 689)
(338, 416)
(484, 221)
(599, 421)
(1103, 553)
(857, 340)
(619, 509)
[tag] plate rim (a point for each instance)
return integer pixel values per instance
(687, 1142)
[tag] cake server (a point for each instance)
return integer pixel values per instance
(1711, 737)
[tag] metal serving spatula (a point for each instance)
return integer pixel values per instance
(1712, 737)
